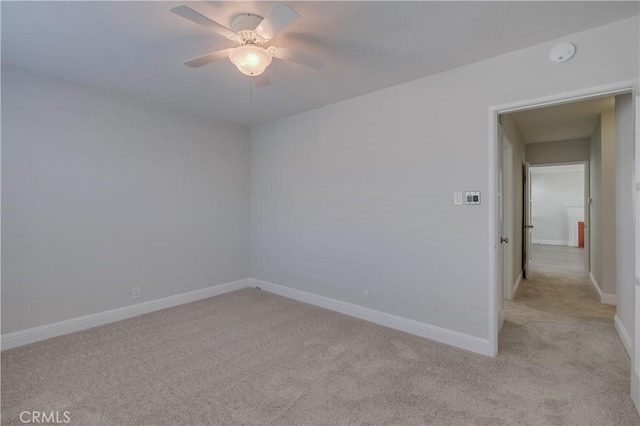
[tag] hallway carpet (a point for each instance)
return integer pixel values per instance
(561, 260)
(251, 357)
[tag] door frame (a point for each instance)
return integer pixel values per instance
(635, 363)
(585, 203)
(494, 112)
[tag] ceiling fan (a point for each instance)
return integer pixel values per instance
(252, 33)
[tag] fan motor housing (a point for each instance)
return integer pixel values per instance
(244, 26)
(244, 22)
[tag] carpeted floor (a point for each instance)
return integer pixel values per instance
(551, 259)
(251, 357)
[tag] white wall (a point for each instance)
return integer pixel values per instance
(558, 151)
(359, 195)
(557, 204)
(624, 208)
(101, 193)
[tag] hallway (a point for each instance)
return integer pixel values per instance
(563, 260)
(559, 333)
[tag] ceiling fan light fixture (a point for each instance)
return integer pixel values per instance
(250, 60)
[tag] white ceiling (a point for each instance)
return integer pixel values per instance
(574, 120)
(138, 47)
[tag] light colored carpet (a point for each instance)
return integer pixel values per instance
(549, 259)
(251, 357)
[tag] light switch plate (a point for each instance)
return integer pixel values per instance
(472, 197)
(457, 198)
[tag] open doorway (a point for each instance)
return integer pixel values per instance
(569, 155)
(608, 176)
(568, 214)
(559, 219)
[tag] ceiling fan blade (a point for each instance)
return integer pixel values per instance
(262, 80)
(302, 58)
(208, 58)
(278, 18)
(198, 18)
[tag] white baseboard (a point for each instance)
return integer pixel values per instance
(31, 335)
(606, 298)
(516, 286)
(552, 242)
(442, 335)
(595, 285)
(624, 336)
(609, 299)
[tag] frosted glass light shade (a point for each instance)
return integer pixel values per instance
(250, 60)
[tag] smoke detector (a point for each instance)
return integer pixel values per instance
(562, 52)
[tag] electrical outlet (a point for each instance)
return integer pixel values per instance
(135, 293)
(365, 295)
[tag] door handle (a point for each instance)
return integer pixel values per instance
(527, 226)
(504, 240)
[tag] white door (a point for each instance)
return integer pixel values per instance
(528, 227)
(499, 228)
(507, 217)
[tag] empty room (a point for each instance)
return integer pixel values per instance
(312, 212)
